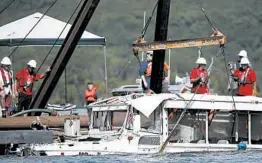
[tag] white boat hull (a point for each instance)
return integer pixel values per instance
(80, 148)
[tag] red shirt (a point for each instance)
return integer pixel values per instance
(246, 78)
(26, 81)
(199, 87)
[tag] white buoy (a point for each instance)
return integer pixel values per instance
(72, 126)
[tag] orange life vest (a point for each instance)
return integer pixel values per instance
(90, 95)
(149, 69)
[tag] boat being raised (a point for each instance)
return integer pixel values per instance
(146, 126)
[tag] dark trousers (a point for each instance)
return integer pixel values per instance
(23, 102)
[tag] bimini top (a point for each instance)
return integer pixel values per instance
(148, 104)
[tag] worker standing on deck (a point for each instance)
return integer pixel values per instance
(246, 78)
(25, 79)
(199, 78)
(90, 93)
(145, 71)
(234, 66)
(90, 97)
(6, 85)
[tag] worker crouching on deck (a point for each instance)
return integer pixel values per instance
(6, 85)
(199, 78)
(25, 79)
(90, 97)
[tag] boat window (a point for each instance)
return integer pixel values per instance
(107, 121)
(152, 124)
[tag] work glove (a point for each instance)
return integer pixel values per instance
(48, 70)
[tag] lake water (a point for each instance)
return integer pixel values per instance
(216, 157)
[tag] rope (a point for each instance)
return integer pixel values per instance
(59, 36)
(162, 148)
(148, 21)
(6, 6)
(33, 28)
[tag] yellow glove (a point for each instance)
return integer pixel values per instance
(254, 92)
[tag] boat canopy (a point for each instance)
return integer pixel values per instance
(148, 104)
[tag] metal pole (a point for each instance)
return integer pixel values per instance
(207, 128)
(142, 58)
(249, 128)
(161, 31)
(64, 54)
(106, 82)
(65, 87)
(169, 63)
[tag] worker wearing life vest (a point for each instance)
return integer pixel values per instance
(234, 66)
(199, 77)
(90, 93)
(90, 97)
(145, 71)
(246, 78)
(6, 85)
(25, 79)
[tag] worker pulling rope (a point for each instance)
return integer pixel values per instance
(32, 28)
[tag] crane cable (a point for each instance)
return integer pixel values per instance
(143, 32)
(49, 52)
(32, 28)
(148, 21)
(6, 6)
(59, 36)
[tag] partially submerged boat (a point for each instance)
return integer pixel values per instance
(146, 126)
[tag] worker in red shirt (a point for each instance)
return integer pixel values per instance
(246, 78)
(25, 79)
(90, 97)
(199, 77)
(6, 85)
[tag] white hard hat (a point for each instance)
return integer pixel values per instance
(32, 63)
(244, 61)
(201, 60)
(6, 61)
(149, 52)
(243, 53)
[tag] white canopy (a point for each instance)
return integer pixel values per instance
(148, 104)
(45, 33)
